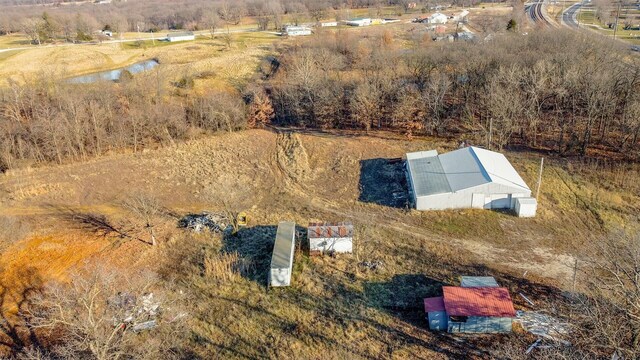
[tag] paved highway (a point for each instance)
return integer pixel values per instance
(536, 13)
(570, 15)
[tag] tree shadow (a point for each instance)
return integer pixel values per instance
(383, 182)
(15, 299)
(256, 245)
(403, 296)
(97, 224)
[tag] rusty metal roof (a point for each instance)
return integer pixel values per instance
(326, 230)
(434, 304)
(479, 301)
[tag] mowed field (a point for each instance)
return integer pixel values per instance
(336, 306)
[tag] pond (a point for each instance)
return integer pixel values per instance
(114, 75)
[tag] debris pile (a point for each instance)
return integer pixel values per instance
(543, 325)
(198, 222)
(138, 315)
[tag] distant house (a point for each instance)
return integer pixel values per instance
(460, 16)
(358, 22)
(475, 309)
(330, 237)
(181, 36)
(297, 30)
(282, 257)
(465, 36)
(103, 2)
(469, 177)
(108, 33)
(438, 18)
(329, 24)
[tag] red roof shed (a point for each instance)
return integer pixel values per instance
(494, 301)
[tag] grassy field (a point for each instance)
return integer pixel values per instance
(335, 306)
(230, 65)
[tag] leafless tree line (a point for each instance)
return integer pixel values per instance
(56, 121)
(66, 21)
(553, 90)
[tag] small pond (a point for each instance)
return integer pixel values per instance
(114, 75)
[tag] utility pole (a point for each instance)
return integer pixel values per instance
(490, 131)
(539, 178)
(615, 27)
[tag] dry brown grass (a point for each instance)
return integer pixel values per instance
(335, 306)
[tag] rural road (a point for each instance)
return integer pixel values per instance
(146, 37)
(570, 15)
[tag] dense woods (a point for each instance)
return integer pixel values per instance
(550, 90)
(54, 122)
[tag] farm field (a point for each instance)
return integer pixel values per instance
(310, 176)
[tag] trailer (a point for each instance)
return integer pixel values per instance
(282, 258)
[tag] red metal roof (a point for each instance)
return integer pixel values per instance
(487, 301)
(434, 304)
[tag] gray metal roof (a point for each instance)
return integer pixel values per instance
(284, 245)
(478, 281)
(461, 169)
(428, 176)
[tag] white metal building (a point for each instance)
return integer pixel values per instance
(297, 30)
(181, 36)
(470, 177)
(330, 237)
(329, 24)
(438, 18)
(282, 258)
(359, 22)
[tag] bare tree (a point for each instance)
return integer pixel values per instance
(609, 309)
(102, 314)
(211, 20)
(147, 208)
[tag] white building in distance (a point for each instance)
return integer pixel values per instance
(359, 22)
(470, 177)
(181, 36)
(297, 31)
(438, 18)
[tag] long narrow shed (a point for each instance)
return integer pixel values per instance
(282, 258)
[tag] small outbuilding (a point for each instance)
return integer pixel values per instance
(181, 36)
(469, 177)
(329, 24)
(359, 22)
(436, 313)
(479, 305)
(282, 258)
(526, 206)
(330, 237)
(297, 31)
